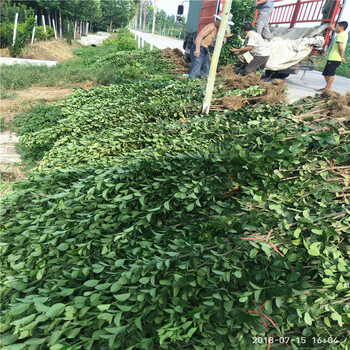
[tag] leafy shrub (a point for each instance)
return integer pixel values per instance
(124, 32)
(68, 31)
(126, 44)
(16, 49)
(23, 35)
(123, 41)
(41, 35)
(6, 34)
(37, 118)
(243, 12)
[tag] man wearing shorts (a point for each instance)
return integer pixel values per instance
(336, 56)
(257, 47)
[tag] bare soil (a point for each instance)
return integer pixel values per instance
(50, 50)
(25, 98)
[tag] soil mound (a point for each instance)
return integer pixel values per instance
(51, 50)
(273, 91)
(176, 58)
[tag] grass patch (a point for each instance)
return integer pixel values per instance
(96, 64)
(6, 95)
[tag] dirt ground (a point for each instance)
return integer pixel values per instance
(51, 50)
(22, 100)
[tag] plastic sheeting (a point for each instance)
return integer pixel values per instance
(298, 33)
(291, 45)
(286, 53)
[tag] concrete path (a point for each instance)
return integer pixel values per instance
(8, 61)
(299, 85)
(8, 154)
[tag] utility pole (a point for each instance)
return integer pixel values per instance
(154, 22)
(215, 58)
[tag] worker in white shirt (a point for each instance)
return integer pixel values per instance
(257, 47)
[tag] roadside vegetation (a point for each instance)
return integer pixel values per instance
(145, 224)
(100, 65)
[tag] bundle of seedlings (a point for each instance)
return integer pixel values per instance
(236, 91)
(176, 60)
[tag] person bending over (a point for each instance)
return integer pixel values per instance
(199, 49)
(336, 56)
(257, 47)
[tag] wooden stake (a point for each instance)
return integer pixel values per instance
(15, 30)
(216, 56)
(33, 33)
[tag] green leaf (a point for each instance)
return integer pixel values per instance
(253, 253)
(35, 341)
(122, 297)
(103, 307)
(278, 301)
(18, 309)
(191, 332)
(138, 323)
(308, 319)
(91, 283)
(63, 246)
(18, 285)
(314, 249)
(55, 310)
(228, 305)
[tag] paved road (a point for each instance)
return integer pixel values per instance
(299, 85)
(162, 42)
(93, 39)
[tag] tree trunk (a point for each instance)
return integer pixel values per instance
(110, 26)
(56, 20)
(60, 15)
(144, 17)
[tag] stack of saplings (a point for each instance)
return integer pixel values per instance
(228, 243)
